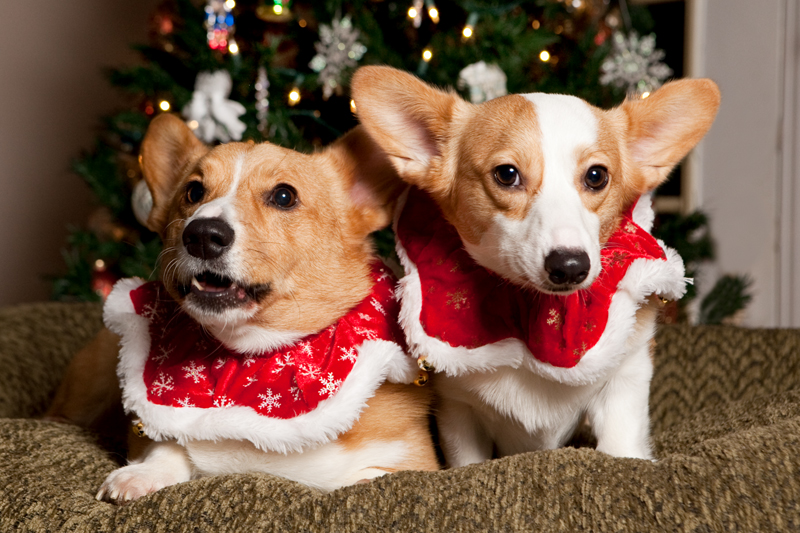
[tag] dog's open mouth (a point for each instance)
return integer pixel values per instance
(216, 292)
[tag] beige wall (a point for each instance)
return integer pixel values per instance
(51, 96)
(748, 164)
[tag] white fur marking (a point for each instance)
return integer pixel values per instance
(557, 219)
(325, 467)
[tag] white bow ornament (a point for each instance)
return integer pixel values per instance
(215, 116)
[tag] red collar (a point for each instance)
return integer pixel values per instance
(466, 305)
(188, 368)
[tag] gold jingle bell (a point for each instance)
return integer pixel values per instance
(422, 379)
(138, 428)
(424, 364)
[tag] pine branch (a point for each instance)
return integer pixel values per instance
(728, 296)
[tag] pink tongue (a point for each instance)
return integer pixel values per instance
(212, 288)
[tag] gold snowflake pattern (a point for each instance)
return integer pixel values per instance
(630, 227)
(579, 352)
(618, 258)
(555, 319)
(589, 326)
(458, 300)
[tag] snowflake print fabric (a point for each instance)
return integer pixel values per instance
(466, 305)
(198, 370)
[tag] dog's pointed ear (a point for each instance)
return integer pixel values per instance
(665, 126)
(408, 118)
(168, 147)
(372, 182)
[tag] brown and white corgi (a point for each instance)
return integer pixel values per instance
(532, 282)
(271, 343)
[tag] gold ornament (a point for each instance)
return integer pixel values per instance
(422, 379)
(274, 11)
(424, 364)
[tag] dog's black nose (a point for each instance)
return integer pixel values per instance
(567, 266)
(207, 238)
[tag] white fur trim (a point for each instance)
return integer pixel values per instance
(377, 361)
(643, 278)
(445, 358)
(643, 213)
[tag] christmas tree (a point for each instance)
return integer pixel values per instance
(278, 71)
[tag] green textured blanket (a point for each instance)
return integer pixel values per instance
(725, 407)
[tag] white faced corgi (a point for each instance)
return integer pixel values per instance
(532, 284)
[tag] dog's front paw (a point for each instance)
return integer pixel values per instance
(134, 481)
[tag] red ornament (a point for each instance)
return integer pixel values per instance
(102, 280)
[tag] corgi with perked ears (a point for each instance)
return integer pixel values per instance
(532, 282)
(271, 342)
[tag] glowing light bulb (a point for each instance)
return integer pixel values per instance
(645, 94)
(193, 124)
(164, 105)
(99, 264)
(467, 32)
(412, 12)
(427, 54)
(294, 96)
(233, 48)
(545, 56)
(536, 24)
(352, 105)
(434, 14)
(277, 9)
(230, 4)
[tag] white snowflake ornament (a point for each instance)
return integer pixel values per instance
(210, 114)
(634, 63)
(338, 49)
(484, 81)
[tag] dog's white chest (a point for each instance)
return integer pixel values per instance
(518, 409)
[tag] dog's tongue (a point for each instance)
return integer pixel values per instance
(208, 282)
(207, 287)
(213, 284)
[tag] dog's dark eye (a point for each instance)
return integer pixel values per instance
(596, 178)
(194, 192)
(283, 196)
(507, 176)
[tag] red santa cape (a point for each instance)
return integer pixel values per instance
(465, 318)
(185, 384)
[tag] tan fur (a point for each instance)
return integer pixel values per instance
(395, 413)
(452, 147)
(90, 390)
(310, 282)
(315, 257)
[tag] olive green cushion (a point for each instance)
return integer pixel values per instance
(725, 407)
